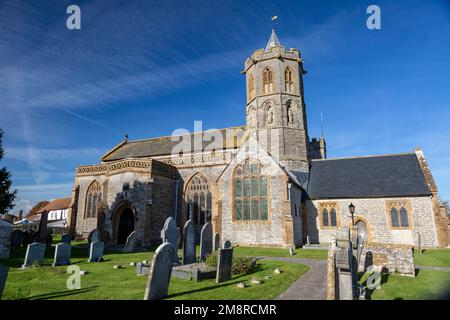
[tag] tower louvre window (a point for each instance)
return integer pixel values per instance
(267, 81)
(288, 80)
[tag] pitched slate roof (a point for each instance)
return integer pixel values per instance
(164, 145)
(57, 204)
(367, 177)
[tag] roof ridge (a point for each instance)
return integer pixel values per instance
(368, 156)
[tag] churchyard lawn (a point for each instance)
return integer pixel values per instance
(284, 253)
(103, 282)
(433, 257)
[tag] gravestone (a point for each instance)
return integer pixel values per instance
(16, 238)
(5, 239)
(216, 241)
(3, 275)
(105, 238)
(42, 231)
(224, 264)
(180, 238)
(94, 235)
(206, 241)
(160, 272)
(35, 254)
(96, 251)
(66, 238)
(48, 240)
(169, 234)
(189, 247)
(62, 254)
(227, 244)
(131, 243)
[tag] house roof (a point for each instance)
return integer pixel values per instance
(57, 204)
(165, 145)
(367, 177)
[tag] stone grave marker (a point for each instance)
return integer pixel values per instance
(179, 238)
(227, 244)
(49, 240)
(35, 254)
(169, 234)
(42, 232)
(224, 263)
(189, 248)
(160, 272)
(3, 275)
(216, 241)
(131, 243)
(62, 254)
(96, 251)
(94, 235)
(16, 238)
(206, 241)
(66, 238)
(5, 239)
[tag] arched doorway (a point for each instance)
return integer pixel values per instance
(123, 223)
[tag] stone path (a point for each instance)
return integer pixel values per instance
(311, 286)
(432, 268)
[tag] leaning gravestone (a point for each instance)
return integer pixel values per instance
(169, 234)
(131, 243)
(62, 254)
(206, 241)
(189, 242)
(5, 239)
(35, 254)
(16, 238)
(66, 238)
(224, 263)
(94, 235)
(3, 275)
(96, 251)
(160, 272)
(42, 231)
(216, 241)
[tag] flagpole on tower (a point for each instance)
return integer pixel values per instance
(274, 21)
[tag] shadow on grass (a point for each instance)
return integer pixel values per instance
(369, 292)
(226, 284)
(59, 294)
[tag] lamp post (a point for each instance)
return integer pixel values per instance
(351, 208)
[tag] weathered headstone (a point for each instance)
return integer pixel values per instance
(62, 254)
(3, 276)
(35, 254)
(160, 272)
(66, 238)
(169, 234)
(96, 251)
(94, 235)
(49, 240)
(216, 241)
(227, 244)
(42, 231)
(5, 239)
(16, 238)
(131, 243)
(189, 247)
(224, 264)
(206, 241)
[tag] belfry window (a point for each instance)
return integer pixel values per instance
(250, 192)
(251, 87)
(93, 198)
(328, 215)
(267, 81)
(399, 214)
(288, 80)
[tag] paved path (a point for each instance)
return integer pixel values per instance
(310, 286)
(432, 268)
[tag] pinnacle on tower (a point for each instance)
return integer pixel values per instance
(273, 41)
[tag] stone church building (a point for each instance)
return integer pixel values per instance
(266, 183)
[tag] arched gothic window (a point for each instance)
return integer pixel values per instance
(250, 189)
(199, 199)
(251, 87)
(93, 198)
(288, 80)
(399, 214)
(267, 81)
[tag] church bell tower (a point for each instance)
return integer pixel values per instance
(275, 104)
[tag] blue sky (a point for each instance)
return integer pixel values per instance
(147, 68)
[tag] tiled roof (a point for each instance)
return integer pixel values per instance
(373, 176)
(57, 204)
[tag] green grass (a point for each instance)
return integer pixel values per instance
(433, 257)
(284, 253)
(103, 282)
(428, 284)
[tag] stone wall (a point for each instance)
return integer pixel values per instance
(374, 213)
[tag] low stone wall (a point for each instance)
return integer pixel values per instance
(392, 258)
(331, 273)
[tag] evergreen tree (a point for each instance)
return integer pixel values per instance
(6, 195)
